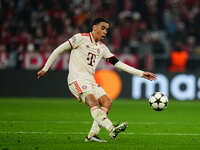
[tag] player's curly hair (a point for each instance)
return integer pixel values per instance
(98, 20)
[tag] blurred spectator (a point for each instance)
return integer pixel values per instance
(42, 25)
(190, 44)
(145, 53)
(19, 57)
(134, 44)
(158, 48)
(154, 12)
(179, 58)
(197, 51)
(125, 28)
(180, 32)
(116, 40)
(3, 62)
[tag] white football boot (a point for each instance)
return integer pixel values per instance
(117, 129)
(94, 139)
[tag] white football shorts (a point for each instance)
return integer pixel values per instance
(80, 89)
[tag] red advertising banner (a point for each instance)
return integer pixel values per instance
(36, 60)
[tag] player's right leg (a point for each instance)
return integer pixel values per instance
(100, 116)
(106, 104)
(82, 94)
(97, 113)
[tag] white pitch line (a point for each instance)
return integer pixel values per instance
(38, 132)
(164, 134)
(87, 122)
(85, 133)
(40, 121)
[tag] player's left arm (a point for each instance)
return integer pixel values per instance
(124, 67)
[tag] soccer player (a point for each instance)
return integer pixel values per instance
(87, 50)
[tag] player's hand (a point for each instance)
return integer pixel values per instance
(149, 76)
(41, 73)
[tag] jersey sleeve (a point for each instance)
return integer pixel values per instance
(75, 40)
(107, 53)
(63, 47)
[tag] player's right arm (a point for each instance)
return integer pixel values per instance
(68, 45)
(64, 46)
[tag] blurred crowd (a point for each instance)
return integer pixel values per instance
(158, 31)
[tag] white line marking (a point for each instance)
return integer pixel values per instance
(164, 134)
(88, 122)
(41, 121)
(85, 133)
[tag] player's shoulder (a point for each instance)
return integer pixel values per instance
(81, 36)
(84, 34)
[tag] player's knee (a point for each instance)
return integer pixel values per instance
(105, 102)
(91, 100)
(108, 104)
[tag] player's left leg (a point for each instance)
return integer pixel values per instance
(98, 115)
(84, 92)
(93, 134)
(105, 104)
(95, 129)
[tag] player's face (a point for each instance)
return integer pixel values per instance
(100, 30)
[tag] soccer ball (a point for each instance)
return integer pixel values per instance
(158, 101)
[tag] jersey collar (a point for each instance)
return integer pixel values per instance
(91, 37)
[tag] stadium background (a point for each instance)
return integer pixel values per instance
(161, 36)
(157, 36)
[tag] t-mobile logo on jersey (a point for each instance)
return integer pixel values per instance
(91, 59)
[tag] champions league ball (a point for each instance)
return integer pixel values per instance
(158, 101)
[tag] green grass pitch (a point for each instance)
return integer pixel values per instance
(62, 124)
